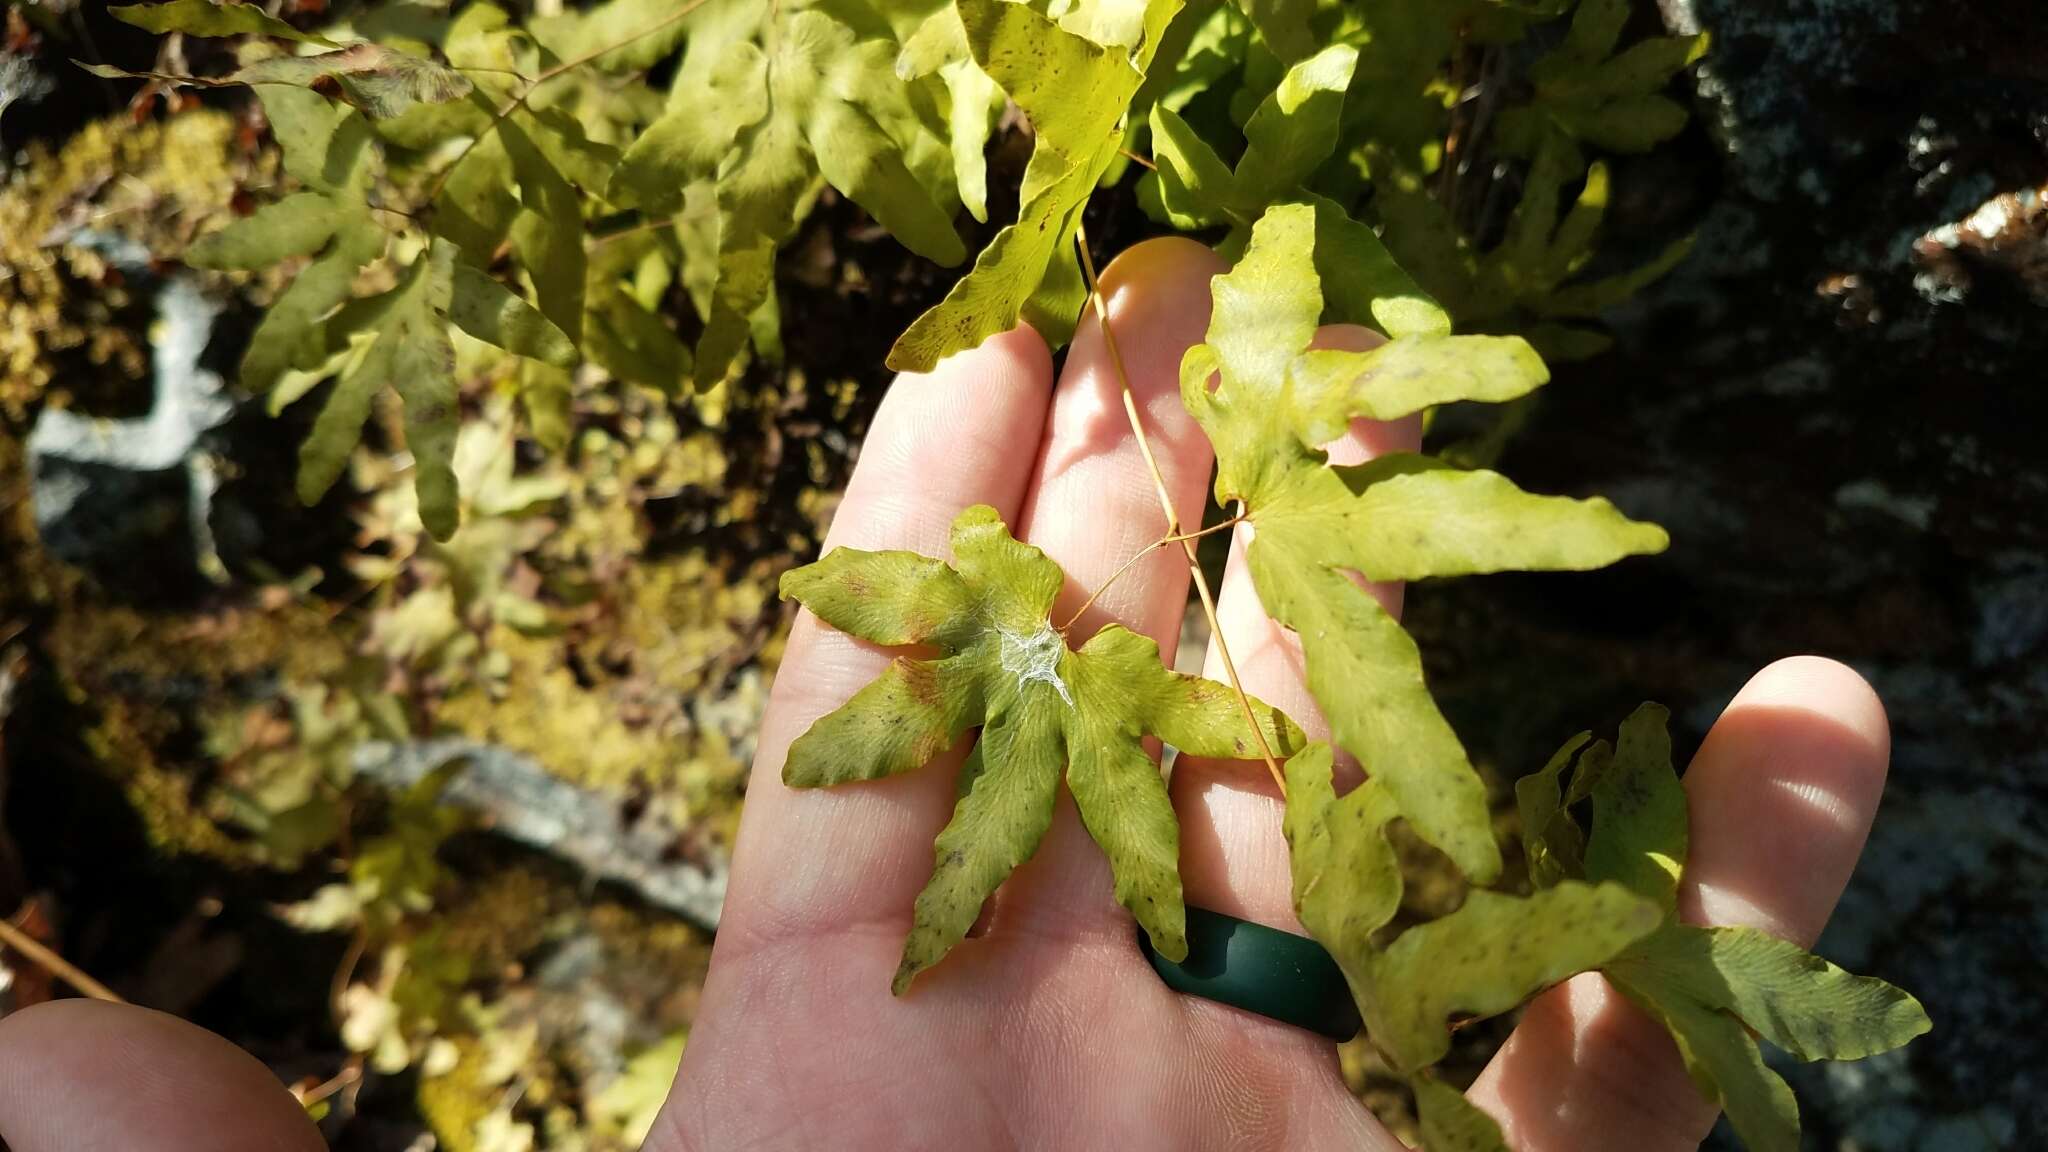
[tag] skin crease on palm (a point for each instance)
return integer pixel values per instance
(1048, 1030)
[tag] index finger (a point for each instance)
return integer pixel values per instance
(964, 434)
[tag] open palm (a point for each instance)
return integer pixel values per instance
(1050, 1030)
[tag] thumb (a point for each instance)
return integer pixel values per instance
(87, 1076)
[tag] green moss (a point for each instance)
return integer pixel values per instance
(154, 183)
(455, 1105)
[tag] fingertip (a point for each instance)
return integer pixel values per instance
(87, 1076)
(1169, 263)
(1827, 688)
(1783, 792)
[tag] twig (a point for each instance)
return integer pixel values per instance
(40, 955)
(634, 230)
(1140, 161)
(350, 1074)
(1187, 543)
(525, 93)
(337, 986)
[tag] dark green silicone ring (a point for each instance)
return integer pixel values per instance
(1276, 974)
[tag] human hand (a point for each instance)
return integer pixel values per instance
(1053, 1031)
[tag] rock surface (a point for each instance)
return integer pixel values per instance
(112, 494)
(520, 800)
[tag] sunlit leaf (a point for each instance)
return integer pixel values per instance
(1715, 989)
(1347, 879)
(1398, 518)
(1462, 964)
(1040, 705)
(1290, 134)
(1792, 998)
(831, 97)
(688, 142)
(1639, 830)
(1724, 1061)
(1075, 93)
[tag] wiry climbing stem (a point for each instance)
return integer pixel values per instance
(1140, 554)
(1173, 532)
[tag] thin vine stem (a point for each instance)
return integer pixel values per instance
(43, 957)
(1187, 543)
(525, 93)
(635, 229)
(1147, 550)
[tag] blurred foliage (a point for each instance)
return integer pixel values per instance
(565, 621)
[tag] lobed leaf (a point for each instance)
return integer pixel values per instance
(1347, 878)
(206, 18)
(1075, 93)
(1398, 518)
(496, 315)
(409, 352)
(308, 127)
(1724, 1061)
(291, 334)
(1491, 954)
(548, 232)
(1551, 840)
(1366, 672)
(1405, 517)
(1792, 998)
(1294, 129)
(298, 225)
(1405, 376)
(1709, 987)
(834, 105)
(1196, 188)
(1040, 706)
(1289, 135)
(689, 140)
(1639, 813)
(1363, 284)
(894, 598)
(1002, 813)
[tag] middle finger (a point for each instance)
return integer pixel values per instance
(1094, 505)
